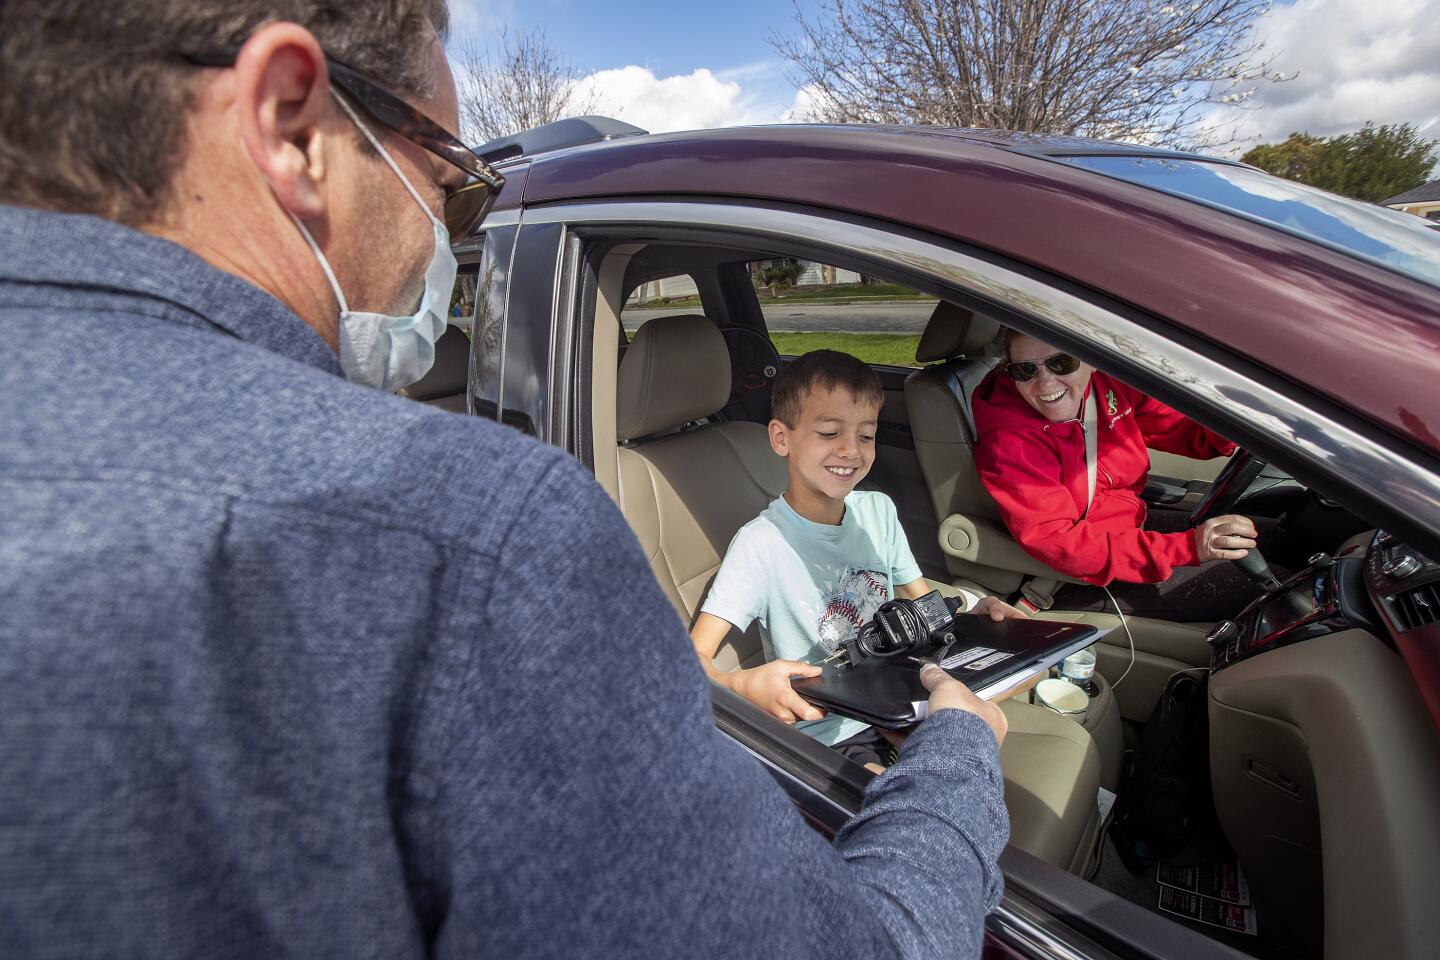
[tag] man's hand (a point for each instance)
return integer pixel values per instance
(947, 693)
(996, 609)
(768, 687)
(1225, 538)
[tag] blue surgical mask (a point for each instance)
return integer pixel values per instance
(383, 351)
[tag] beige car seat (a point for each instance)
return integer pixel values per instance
(977, 545)
(688, 484)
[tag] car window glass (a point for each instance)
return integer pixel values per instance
(462, 299)
(1403, 242)
(667, 296)
(814, 306)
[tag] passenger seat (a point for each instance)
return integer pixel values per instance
(687, 488)
(687, 484)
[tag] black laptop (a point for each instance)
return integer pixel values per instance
(988, 657)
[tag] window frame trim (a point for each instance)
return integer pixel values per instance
(1314, 438)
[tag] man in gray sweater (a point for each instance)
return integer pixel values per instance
(277, 675)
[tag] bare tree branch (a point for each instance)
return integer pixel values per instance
(1138, 70)
(518, 83)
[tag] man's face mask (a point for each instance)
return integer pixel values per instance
(382, 351)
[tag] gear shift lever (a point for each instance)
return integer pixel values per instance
(1258, 570)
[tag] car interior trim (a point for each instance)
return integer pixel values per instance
(1031, 931)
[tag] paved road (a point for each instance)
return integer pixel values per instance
(901, 316)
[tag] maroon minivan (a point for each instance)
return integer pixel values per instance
(1302, 325)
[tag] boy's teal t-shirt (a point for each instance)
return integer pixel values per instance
(812, 585)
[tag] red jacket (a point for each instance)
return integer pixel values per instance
(1035, 470)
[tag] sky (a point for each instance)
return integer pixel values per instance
(675, 66)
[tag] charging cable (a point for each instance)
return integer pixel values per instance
(1128, 636)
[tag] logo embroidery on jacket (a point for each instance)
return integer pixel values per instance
(1112, 409)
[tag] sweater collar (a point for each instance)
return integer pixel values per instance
(77, 251)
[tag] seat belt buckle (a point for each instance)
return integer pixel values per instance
(1034, 599)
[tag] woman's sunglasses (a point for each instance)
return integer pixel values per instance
(466, 206)
(1023, 371)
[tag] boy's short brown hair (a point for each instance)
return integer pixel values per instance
(823, 370)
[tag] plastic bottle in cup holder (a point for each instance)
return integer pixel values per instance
(1079, 669)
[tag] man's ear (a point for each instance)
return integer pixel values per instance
(779, 441)
(283, 95)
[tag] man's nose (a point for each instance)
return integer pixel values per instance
(849, 445)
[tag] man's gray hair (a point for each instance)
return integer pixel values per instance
(94, 97)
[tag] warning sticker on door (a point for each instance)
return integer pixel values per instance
(989, 661)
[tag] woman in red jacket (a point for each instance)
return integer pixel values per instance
(1031, 454)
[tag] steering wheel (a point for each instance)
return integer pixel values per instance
(1228, 487)
(1224, 494)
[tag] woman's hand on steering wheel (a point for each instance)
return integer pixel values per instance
(1225, 538)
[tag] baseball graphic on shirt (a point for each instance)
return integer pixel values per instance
(849, 605)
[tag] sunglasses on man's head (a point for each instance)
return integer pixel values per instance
(1023, 371)
(465, 206)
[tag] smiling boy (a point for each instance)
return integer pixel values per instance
(815, 565)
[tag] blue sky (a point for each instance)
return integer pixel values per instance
(669, 37)
(671, 65)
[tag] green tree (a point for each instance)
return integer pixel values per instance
(782, 274)
(1372, 164)
(1292, 159)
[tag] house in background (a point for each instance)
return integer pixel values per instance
(681, 286)
(1422, 201)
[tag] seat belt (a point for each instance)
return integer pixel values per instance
(1039, 592)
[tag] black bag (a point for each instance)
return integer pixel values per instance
(1165, 792)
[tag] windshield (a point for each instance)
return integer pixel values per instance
(1401, 241)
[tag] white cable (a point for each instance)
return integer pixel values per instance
(1128, 636)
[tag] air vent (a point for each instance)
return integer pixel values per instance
(1417, 606)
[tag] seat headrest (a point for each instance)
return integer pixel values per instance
(954, 332)
(675, 370)
(448, 375)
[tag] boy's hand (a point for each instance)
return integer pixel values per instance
(996, 609)
(947, 693)
(768, 687)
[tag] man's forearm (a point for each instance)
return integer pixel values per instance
(929, 836)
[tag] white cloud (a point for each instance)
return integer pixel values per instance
(661, 104)
(802, 108)
(478, 18)
(1359, 60)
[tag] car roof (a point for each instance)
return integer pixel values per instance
(1340, 325)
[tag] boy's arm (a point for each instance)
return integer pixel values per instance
(902, 564)
(767, 686)
(707, 635)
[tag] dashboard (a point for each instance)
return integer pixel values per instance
(1385, 588)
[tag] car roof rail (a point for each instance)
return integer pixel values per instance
(570, 132)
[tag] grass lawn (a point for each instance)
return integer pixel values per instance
(840, 293)
(894, 349)
(849, 292)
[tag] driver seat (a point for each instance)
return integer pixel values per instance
(976, 543)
